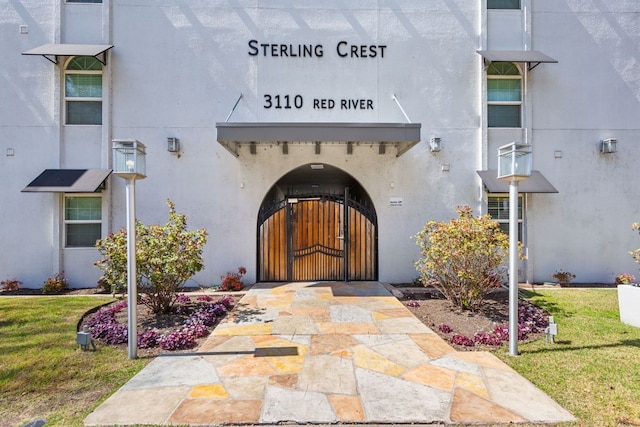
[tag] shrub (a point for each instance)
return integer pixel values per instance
(104, 326)
(233, 281)
(462, 258)
(196, 329)
(149, 339)
(624, 279)
(177, 341)
(462, 340)
(10, 284)
(531, 320)
(563, 277)
(55, 285)
(183, 299)
(445, 329)
(166, 256)
(636, 254)
(487, 339)
(111, 288)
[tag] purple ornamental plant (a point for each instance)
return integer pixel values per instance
(530, 321)
(104, 326)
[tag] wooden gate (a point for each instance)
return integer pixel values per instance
(317, 238)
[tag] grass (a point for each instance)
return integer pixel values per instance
(43, 373)
(593, 369)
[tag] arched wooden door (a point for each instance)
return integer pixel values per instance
(324, 237)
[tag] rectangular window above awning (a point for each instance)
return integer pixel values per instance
(68, 181)
(536, 183)
(532, 58)
(402, 136)
(54, 50)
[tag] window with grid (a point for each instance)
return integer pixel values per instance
(498, 208)
(83, 91)
(503, 4)
(504, 95)
(82, 220)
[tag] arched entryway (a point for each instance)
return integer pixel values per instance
(317, 223)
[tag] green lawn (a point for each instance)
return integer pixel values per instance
(593, 369)
(43, 373)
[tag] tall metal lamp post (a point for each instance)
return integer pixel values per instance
(514, 165)
(129, 163)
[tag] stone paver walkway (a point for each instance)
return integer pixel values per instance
(326, 353)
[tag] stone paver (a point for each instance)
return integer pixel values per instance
(326, 353)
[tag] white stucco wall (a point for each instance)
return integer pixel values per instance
(213, 43)
(177, 68)
(590, 95)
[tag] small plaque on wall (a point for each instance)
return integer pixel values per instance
(395, 201)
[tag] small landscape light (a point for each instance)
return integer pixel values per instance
(84, 339)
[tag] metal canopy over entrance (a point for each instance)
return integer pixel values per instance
(402, 136)
(317, 232)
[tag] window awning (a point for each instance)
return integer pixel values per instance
(532, 57)
(536, 183)
(55, 50)
(68, 181)
(403, 136)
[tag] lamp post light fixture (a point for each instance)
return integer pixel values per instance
(129, 163)
(514, 164)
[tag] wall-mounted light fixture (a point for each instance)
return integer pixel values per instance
(608, 146)
(173, 145)
(435, 144)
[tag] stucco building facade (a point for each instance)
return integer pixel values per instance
(314, 139)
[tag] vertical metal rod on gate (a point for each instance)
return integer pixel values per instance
(346, 243)
(289, 241)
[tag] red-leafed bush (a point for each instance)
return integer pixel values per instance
(233, 281)
(10, 284)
